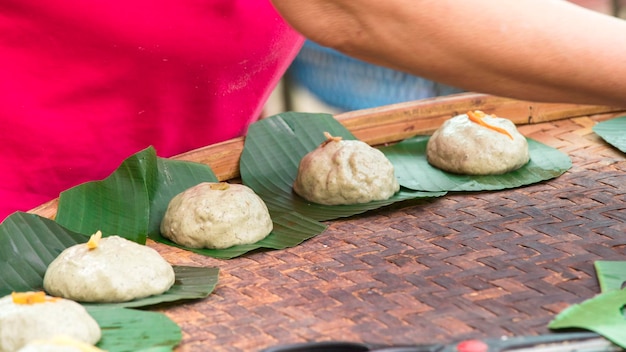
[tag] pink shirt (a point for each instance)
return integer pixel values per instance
(85, 84)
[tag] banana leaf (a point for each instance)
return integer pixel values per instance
(192, 282)
(126, 330)
(611, 274)
(131, 201)
(290, 229)
(602, 314)
(28, 243)
(271, 156)
(414, 171)
(613, 131)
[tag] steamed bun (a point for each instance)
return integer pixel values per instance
(216, 216)
(29, 316)
(345, 172)
(59, 343)
(477, 144)
(115, 270)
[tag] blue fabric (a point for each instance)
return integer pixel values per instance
(350, 84)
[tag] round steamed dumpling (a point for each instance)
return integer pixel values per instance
(467, 147)
(345, 172)
(59, 344)
(45, 318)
(117, 270)
(216, 216)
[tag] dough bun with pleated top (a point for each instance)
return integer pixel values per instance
(343, 171)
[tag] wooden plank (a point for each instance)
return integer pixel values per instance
(399, 121)
(223, 158)
(392, 123)
(396, 122)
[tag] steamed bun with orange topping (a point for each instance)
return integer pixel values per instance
(477, 144)
(110, 269)
(26, 317)
(342, 171)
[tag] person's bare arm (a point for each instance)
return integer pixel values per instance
(542, 50)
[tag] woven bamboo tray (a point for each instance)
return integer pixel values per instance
(466, 265)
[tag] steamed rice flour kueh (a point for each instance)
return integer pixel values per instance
(342, 171)
(477, 144)
(216, 215)
(59, 344)
(26, 317)
(110, 269)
